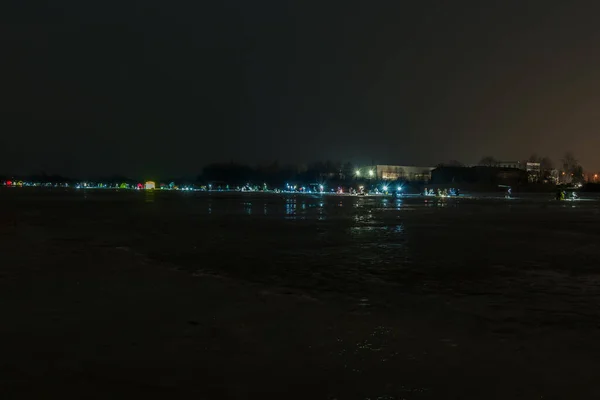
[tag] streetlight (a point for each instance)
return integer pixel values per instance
(370, 176)
(357, 172)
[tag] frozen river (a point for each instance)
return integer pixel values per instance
(240, 295)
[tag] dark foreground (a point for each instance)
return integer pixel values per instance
(217, 296)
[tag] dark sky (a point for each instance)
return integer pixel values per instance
(163, 87)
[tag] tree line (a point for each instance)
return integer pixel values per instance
(275, 174)
(569, 169)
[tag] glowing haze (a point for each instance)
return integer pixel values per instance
(163, 88)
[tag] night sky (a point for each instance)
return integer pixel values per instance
(162, 88)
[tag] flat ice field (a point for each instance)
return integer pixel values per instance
(245, 295)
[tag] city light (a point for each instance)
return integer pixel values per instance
(379, 187)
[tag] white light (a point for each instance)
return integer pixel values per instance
(358, 172)
(385, 188)
(399, 188)
(371, 172)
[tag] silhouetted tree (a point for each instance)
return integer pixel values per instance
(488, 161)
(348, 170)
(569, 162)
(273, 174)
(577, 174)
(546, 164)
(451, 163)
(235, 174)
(571, 170)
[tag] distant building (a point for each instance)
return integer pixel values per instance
(533, 167)
(401, 172)
(479, 175)
(509, 164)
(150, 185)
(534, 171)
(554, 176)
